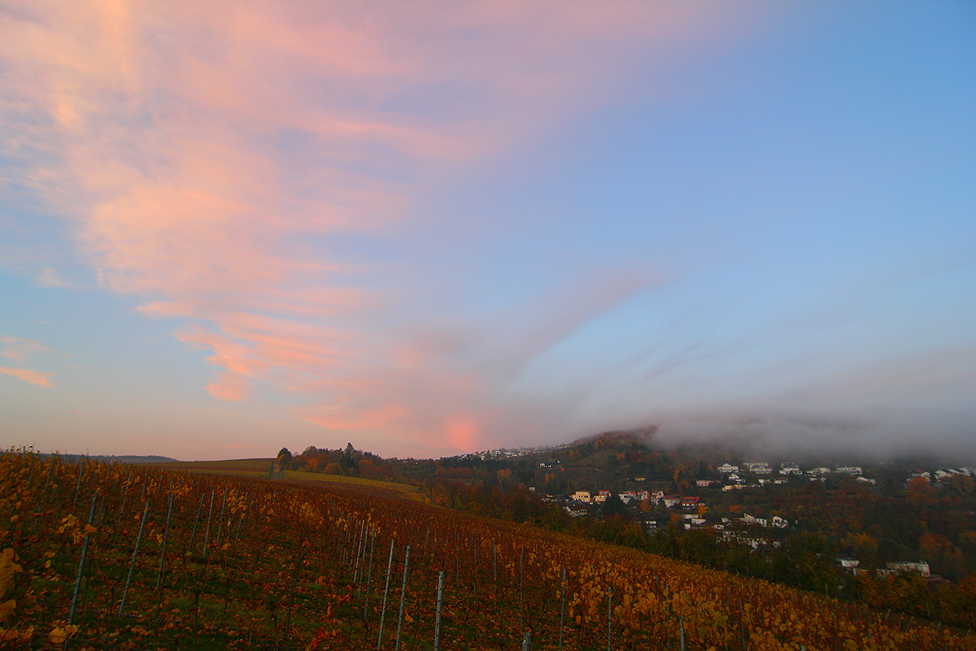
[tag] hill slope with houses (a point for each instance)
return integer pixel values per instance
(855, 528)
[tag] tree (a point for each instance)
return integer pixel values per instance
(284, 457)
(333, 469)
(920, 492)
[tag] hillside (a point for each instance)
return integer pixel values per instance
(145, 557)
(850, 529)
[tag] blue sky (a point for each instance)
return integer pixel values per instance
(225, 229)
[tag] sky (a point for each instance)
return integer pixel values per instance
(429, 229)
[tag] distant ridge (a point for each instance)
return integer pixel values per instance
(112, 458)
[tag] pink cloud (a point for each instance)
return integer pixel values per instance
(207, 154)
(20, 348)
(40, 379)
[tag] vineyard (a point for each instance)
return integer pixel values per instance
(107, 556)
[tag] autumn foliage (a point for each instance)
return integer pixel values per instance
(258, 564)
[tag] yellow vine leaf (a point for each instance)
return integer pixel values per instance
(60, 634)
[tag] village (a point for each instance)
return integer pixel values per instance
(656, 510)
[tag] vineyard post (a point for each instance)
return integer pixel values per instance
(40, 509)
(562, 611)
(240, 523)
(386, 591)
(362, 560)
(494, 570)
(162, 551)
(81, 562)
(437, 617)
(610, 621)
(354, 550)
(474, 563)
(196, 523)
(527, 641)
(362, 577)
(355, 561)
(369, 577)
(220, 521)
(54, 485)
(125, 494)
(521, 590)
(135, 552)
(30, 475)
(742, 625)
(361, 556)
(403, 597)
(206, 537)
(81, 471)
(681, 623)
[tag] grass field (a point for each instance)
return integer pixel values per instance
(259, 468)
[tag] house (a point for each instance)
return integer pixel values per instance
(727, 468)
(908, 567)
(779, 523)
(848, 563)
(650, 526)
(759, 467)
(582, 496)
(848, 470)
(790, 469)
(690, 503)
(705, 483)
(748, 519)
(627, 497)
(670, 501)
(602, 496)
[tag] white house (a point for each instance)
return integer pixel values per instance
(727, 468)
(758, 467)
(907, 567)
(627, 497)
